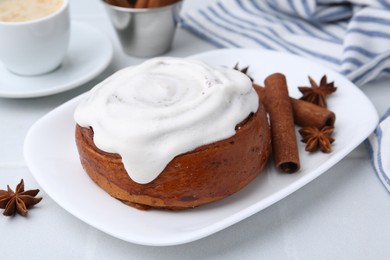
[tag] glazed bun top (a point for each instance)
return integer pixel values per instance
(150, 113)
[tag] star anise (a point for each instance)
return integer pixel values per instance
(243, 70)
(19, 201)
(317, 138)
(317, 94)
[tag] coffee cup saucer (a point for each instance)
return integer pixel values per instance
(89, 53)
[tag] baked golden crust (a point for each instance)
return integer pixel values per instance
(206, 174)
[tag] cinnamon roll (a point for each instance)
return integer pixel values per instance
(172, 133)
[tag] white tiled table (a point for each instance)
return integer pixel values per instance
(344, 214)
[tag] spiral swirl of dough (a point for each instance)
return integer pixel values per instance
(164, 107)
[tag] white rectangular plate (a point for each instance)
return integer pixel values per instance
(51, 155)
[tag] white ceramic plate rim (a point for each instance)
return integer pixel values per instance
(48, 163)
(103, 59)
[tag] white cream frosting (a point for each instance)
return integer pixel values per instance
(164, 107)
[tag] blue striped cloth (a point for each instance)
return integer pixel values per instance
(351, 36)
(378, 146)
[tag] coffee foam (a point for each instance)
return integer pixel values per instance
(27, 10)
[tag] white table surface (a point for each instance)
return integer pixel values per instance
(343, 214)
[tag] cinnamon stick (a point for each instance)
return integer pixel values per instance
(305, 113)
(284, 141)
(160, 3)
(120, 3)
(110, 2)
(309, 114)
(124, 3)
(142, 4)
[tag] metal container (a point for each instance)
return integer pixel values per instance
(145, 32)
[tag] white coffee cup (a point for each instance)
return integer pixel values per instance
(37, 46)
